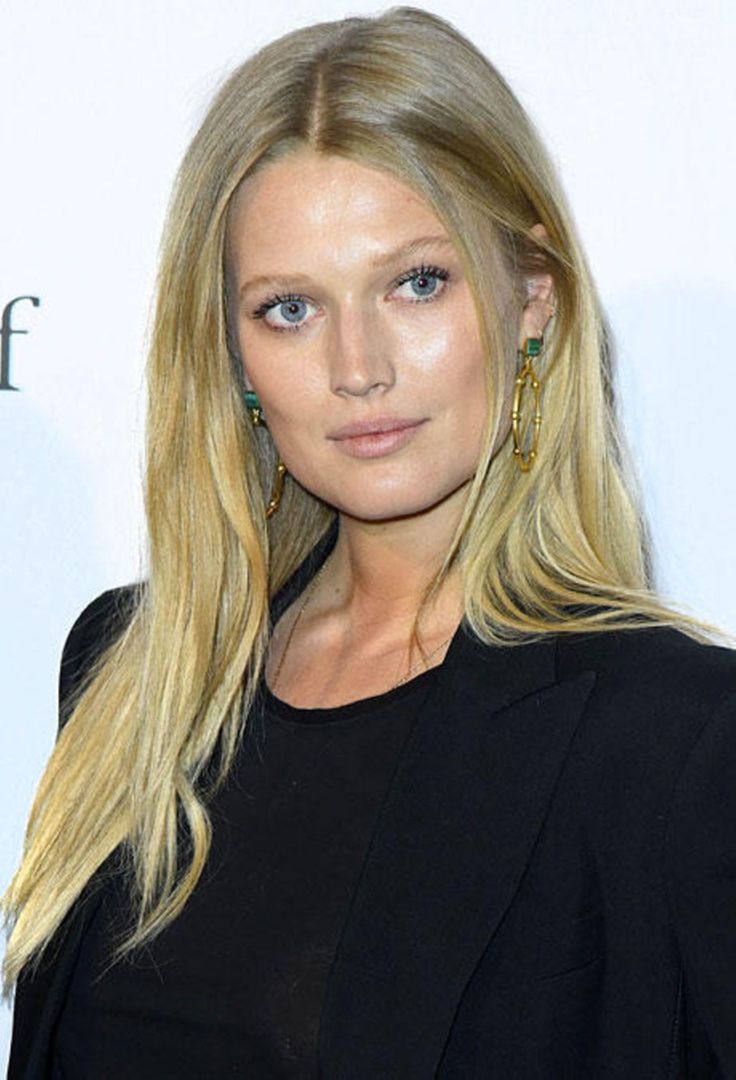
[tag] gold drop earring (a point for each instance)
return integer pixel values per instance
(256, 416)
(532, 348)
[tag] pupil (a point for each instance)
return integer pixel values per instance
(424, 281)
(292, 309)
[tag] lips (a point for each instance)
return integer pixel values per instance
(378, 426)
(376, 438)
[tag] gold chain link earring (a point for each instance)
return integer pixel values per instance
(532, 348)
(256, 415)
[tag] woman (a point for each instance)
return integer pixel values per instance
(393, 765)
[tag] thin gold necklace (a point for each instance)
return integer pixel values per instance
(307, 597)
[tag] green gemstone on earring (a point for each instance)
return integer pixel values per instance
(251, 399)
(533, 346)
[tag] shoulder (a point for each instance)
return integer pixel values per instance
(97, 626)
(661, 662)
(656, 692)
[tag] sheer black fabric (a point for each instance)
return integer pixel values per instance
(234, 986)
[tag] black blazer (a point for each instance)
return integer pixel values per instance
(550, 890)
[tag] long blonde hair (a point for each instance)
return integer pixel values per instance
(561, 548)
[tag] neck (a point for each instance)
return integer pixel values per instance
(378, 571)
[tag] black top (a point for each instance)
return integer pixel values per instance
(234, 986)
(549, 889)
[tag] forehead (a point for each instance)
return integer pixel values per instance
(307, 199)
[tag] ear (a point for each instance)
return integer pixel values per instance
(539, 305)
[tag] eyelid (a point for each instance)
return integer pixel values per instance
(417, 271)
(276, 299)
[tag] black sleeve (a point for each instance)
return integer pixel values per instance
(700, 860)
(40, 991)
(93, 630)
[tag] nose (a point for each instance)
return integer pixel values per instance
(360, 355)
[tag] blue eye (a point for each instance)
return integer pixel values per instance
(293, 309)
(424, 281)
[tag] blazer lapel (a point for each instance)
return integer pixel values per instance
(456, 830)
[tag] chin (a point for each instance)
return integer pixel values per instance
(388, 506)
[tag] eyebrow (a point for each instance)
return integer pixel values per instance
(375, 263)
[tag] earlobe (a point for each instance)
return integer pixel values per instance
(539, 305)
(539, 287)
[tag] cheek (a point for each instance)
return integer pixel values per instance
(465, 384)
(293, 408)
(286, 383)
(471, 411)
(467, 367)
(442, 353)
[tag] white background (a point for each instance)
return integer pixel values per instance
(636, 102)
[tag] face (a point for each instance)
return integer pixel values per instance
(357, 330)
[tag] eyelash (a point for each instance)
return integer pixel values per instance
(418, 271)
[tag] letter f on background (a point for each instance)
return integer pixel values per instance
(6, 330)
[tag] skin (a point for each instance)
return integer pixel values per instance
(327, 232)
